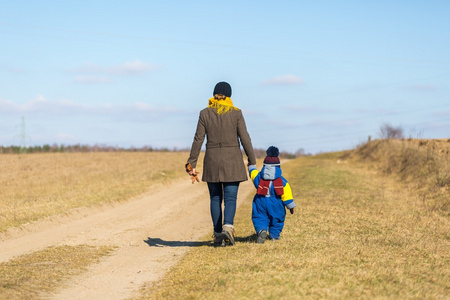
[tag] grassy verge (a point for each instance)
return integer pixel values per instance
(35, 186)
(355, 234)
(31, 276)
(422, 165)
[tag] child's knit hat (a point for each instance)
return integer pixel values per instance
(272, 156)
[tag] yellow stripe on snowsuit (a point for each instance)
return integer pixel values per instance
(287, 193)
(253, 174)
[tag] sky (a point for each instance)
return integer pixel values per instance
(316, 76)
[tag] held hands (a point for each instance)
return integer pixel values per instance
(192, 172)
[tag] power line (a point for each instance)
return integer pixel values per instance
(337, 121)
(254, 49)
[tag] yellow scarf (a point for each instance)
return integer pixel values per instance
(222, 106)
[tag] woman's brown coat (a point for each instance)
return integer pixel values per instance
(223, 160)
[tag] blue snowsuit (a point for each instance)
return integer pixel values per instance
(268, 212)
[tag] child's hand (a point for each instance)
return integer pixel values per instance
(291, 210)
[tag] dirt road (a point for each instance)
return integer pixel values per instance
(151, 233)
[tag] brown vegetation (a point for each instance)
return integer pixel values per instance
(34, 186)
(423, 165)
(370, 223)
(30, 276)
(357, 233)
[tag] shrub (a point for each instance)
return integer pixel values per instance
(388, 131)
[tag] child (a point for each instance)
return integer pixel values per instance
(273, 194)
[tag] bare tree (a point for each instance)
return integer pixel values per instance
(387, 131)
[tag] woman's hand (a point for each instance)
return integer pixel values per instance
(192, 172)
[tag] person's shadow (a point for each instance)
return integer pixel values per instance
(157, 242)
(246, 239)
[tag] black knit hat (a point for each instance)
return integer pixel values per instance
(272, 156)
(222, 88)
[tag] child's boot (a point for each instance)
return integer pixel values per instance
(262, 235)
(228, 234)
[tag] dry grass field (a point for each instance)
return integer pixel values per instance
(357, 233)
(371, 223)
(31, 276)
(35, 186)
(422, 165)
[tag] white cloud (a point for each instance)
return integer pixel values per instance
(308, 109)
(41, 105)
(10, 106)
(283, 80)
(135, 67)
(374, 111)
(443, 113)
(424, 87)
(92, 79)
(11, 69)
(66, 137)
(327, 124)
(88, 68)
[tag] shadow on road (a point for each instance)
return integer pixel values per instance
(157, 242)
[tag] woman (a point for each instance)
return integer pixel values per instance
(223, 167)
